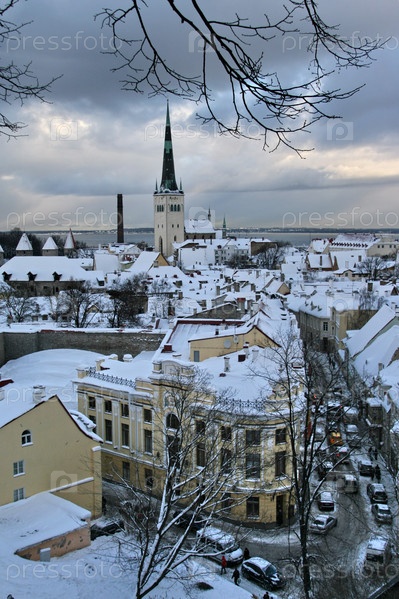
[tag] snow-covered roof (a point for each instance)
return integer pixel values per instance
(378, 353)
(354, 240)
(106, 262)
(44, 268)
(39, 518)
(143, 262)
(359, 339)
(318, 246)
(319, 261)
(50, 244)
(200, 226)
(24, 245)
(69, 241)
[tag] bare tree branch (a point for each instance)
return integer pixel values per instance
(238, 48)
(17, 82)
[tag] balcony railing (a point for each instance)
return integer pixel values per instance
(109, 378)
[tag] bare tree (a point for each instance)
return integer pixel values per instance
(160, 291)
(236, 50)
(17, 304)
(191, 469)
(270, 256)
(80, 303)
(305, 378)
(128, 300)
(373, 267)
(17, 82)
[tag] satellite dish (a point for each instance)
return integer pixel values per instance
(227, 344)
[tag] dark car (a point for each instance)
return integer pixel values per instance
(325, 470)
(262, 572)
(377, 493)
(322, 524)
(185, 520)
(103, 527)
(382, 513)
(325, 501)
(366, 467)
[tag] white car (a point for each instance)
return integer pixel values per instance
(322, 524)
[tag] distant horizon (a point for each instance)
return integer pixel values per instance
(232, 229)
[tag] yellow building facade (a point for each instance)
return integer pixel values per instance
(44, 449)
(135, 418)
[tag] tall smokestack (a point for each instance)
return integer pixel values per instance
(120, 235)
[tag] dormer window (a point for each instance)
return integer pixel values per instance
(56, 276)
(6, 276)
(31, 276)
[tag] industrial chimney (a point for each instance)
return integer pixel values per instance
(120, 237)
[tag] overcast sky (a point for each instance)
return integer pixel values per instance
(95, 140)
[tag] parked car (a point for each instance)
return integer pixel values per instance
(341, 454)
(365, 467)
(104, 526)
(322, 524)
(354, 441)
(348, 483)
(382, 513)
(378, 553)
(377, 493)
(262, 572)
(184, 520)
(325, 501)
(216, 542)
(325, 470)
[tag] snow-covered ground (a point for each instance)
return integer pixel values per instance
(97, 572)
(94, 572)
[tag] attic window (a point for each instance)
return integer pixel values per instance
(56, 276)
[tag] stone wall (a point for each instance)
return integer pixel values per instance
(17, 344)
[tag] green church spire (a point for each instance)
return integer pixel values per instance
(168, 181)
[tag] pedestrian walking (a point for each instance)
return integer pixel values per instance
(246, 553)
(224, 564)
(266, 595)
(375, 454)
(377, 471)
(370, 452)
(372, 473)
(236, 576)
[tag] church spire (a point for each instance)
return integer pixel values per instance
(168, 181)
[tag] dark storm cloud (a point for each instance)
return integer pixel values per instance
(95, 140)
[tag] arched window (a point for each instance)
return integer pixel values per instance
(26, 438)
(172, 421)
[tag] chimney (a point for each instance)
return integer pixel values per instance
(119, 209)
(226, 363)
(38, 393)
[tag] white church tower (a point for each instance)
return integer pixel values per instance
(168, 202)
